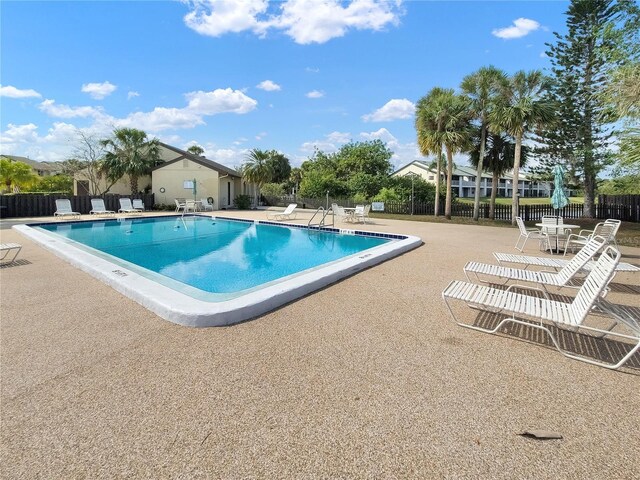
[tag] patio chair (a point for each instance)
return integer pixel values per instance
(341, 214)
(560, 279)
(536, 312)
(180, 203)
(138, 204)
(98, 208)
(190, 206)
(6, 249)
(288, 214)
(126, 206)
(528, 233)
(606, 230)
(206, 206)
(362, 213)
(63, 209)
(557, 263)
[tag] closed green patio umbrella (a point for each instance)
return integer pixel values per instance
(558, 199)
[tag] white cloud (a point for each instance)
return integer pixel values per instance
(305, 21)
(161, 118)
(520, 28)
(215, 18)
(220, 101)
(261, 135)
(339, 137)
(13, 92)
(314, 94)
(269, 86)
(65, 111)
(24, 140)
(318, 21)
(403, 153)
(200, 104)
(132, 94)
(99, 90)
(395, 109)
(312, 70)
(330, 143)
(15, 134)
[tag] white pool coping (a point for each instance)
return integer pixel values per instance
(180, 308)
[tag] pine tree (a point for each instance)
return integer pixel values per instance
(598, 40)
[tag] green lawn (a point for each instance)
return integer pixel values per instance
(523, 200)
(628, 235)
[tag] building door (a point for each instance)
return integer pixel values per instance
(229, 193)
(82, 187)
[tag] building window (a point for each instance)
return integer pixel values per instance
(431, 177)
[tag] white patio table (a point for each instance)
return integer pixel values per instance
(552, 230)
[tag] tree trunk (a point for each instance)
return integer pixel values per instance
(494, 194)
(437, 204)
(516, 179)
(589, 196)
(447, 206)
(133, 183)
(476, 202)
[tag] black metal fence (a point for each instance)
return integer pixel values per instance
(42, 205)
(625, 205)
(605, 208)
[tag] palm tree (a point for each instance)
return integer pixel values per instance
(456, 135)
(256, 169)
(429, 125)
(483, 88)
(196, 150)
(520, 109)
(15, 173)
(129, 152)
(498, 159)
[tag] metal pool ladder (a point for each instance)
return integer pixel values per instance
(321, 223)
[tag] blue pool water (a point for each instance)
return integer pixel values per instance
(214, 255)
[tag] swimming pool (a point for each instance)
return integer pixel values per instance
(206, 271)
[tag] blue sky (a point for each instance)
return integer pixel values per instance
(236, 75)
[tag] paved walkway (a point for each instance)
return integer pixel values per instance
(368, 378)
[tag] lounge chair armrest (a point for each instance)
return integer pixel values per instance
(587, 232)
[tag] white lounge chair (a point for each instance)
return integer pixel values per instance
(563, 278)
(63, 209)
(528, 233)
(288, 214)
(206, 206)
(138, 204)
(98, 207)
(126, 206)
(518, 308)
(607, 229)
(551, 262)
(6, 249)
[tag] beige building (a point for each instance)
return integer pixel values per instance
(175, 178)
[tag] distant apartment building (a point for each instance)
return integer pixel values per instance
(464, 181)
(42, 169)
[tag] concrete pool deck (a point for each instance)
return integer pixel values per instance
(367, 378)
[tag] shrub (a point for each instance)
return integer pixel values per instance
(242, 202)
(272, 190)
